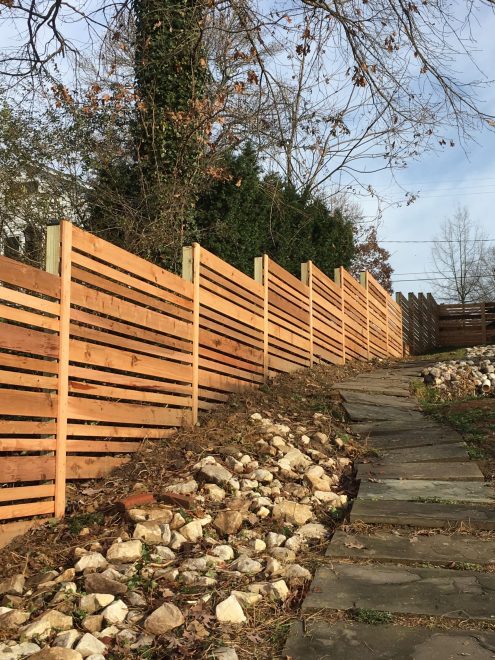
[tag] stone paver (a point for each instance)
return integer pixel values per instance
(407, 547)
(448, 491)
(423, 514)
(358, 641)
(455, 451)
(442, 471)
(404, 590)
(364, 412)
(390, 427)
(375, 386)
(411, 439)
(371, 399)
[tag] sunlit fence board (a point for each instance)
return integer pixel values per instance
(130, 371)
(355, 316)
(29, 347)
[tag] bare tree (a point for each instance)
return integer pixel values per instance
(458, 255)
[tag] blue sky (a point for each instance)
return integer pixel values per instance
(446, 180)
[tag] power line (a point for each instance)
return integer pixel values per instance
(474, 240)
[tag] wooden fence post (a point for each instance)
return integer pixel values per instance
(307, 278)
(191, 260)
(339, 280)
(483, 323)
(261, 276)
(63, 365)
(363, 281)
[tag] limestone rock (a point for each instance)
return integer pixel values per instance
(20, 651)
(89, 645)
(13, 585)
(56, 653)
(273, 539)
(313, 531)
(283, 554)
(228, 522)
(192, 532)
(230, 611)
(48, 621)
(115, 612)
(215, 473)
(158, 513)
(295, 572)
(91, 603)
(125, 552)
(150, 532)
(245, 564)
(12, 619)
(183, 487)
(96, 583)
(67, 639)
(165, 618)
(92, 623)
(92, 560)
(224, 552)
(225, 653)
(247, 598)
(214, 492)
(292, 512)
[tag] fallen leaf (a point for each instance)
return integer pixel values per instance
(354, 544)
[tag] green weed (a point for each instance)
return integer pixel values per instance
(372, 617)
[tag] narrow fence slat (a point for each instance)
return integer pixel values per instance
(63, 370)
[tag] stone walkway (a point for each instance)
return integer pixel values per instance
(420, 477)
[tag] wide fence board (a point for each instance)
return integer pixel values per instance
(420, 322)
(108, 351)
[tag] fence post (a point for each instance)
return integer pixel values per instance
(65, 234)
(261, 276)
(363, 281)
(339, 280)
(307, 278)
(191, 259)
(483, 323)
(412, 323)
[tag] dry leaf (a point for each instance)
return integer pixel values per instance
(354, 544)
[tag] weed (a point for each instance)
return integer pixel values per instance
(465, 566)
(80, 521)
(372, 617)
(475, 453)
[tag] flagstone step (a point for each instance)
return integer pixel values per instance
(450, 452)
(409, 439)
(423, 489)
(406, 547)
(422, 514)
(372, 399)
(367, 412)
(440, 592)
(468, 471)
(377, 386)
(420, 424)
(319, 640)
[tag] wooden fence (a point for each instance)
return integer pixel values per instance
(420, 322)
(106, 350)
(466, 325)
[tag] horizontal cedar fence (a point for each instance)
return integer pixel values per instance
(420, 322)
(466, 325)
(106, 350)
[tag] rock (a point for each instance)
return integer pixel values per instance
(259, 545)
(195, 564)
(228, 522)
(149, 532)
(278, 590)
(319, 481)
(93, 623)
(135, 599)
(273, 566)
(183, 487)
(177, 541)
(67, 639)
(96, 656)
(109, 631)
(126, 637)
(263, 512)
(13, 585)
(293, 459)
(224, 552)
(230, 611)
(115, 612)
(89, 645)
(247, 598)
(48, 621)
(265, 476)
(225, 653)
(234, 464)
(273, 539)
(56, 654)
(283, 554)
(245, 564)
(12, 619)
(19, 651)
(162, 620)
(158, 513)
(93, 560)
(295, 572)
(324, 496)
(192, 532)
(125, 552)
(161, 552)
(94, 602)
(177, 521)
(313, 531)
(320, 437)
(96, 583)
(292, 512)
(215, 473)
(214, 492)
(256, 417)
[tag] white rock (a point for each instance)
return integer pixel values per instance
(116, 612)
(149, 532)
(214, 492)
(265, 476)
(263, 512)
(192, 532)
(247, 598)
(292, 512)
(91, 603)
(13, 585)
(125, 552)
(177, 541)
(273, 566)
(323, 496)
(224, 552)
(296, 572)
(256, 417)
(46, 623)
(67, 639)
(160, 513)
(245, 564)
(216, 474)
(19, 651)
(162, 620)
(259, 545)
(283, 554)
(161, 552)
(225, 653)
(89, 645)
(294, 543)
(93, 560)
(183, 487)
(314, 531)
(273, 539)
(230, 611)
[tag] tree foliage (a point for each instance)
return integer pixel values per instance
(374, 258)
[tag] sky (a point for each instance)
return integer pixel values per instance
(446, 180)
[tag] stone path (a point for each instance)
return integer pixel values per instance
(418, 554)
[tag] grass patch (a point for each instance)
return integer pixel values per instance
(372, 617)
(80, 521)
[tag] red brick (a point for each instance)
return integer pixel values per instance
(184, 501)
(135, 500)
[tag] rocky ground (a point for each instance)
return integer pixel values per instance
(199, 548)
(474, 374)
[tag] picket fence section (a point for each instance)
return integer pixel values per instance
(106, 350)
(420, 322)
